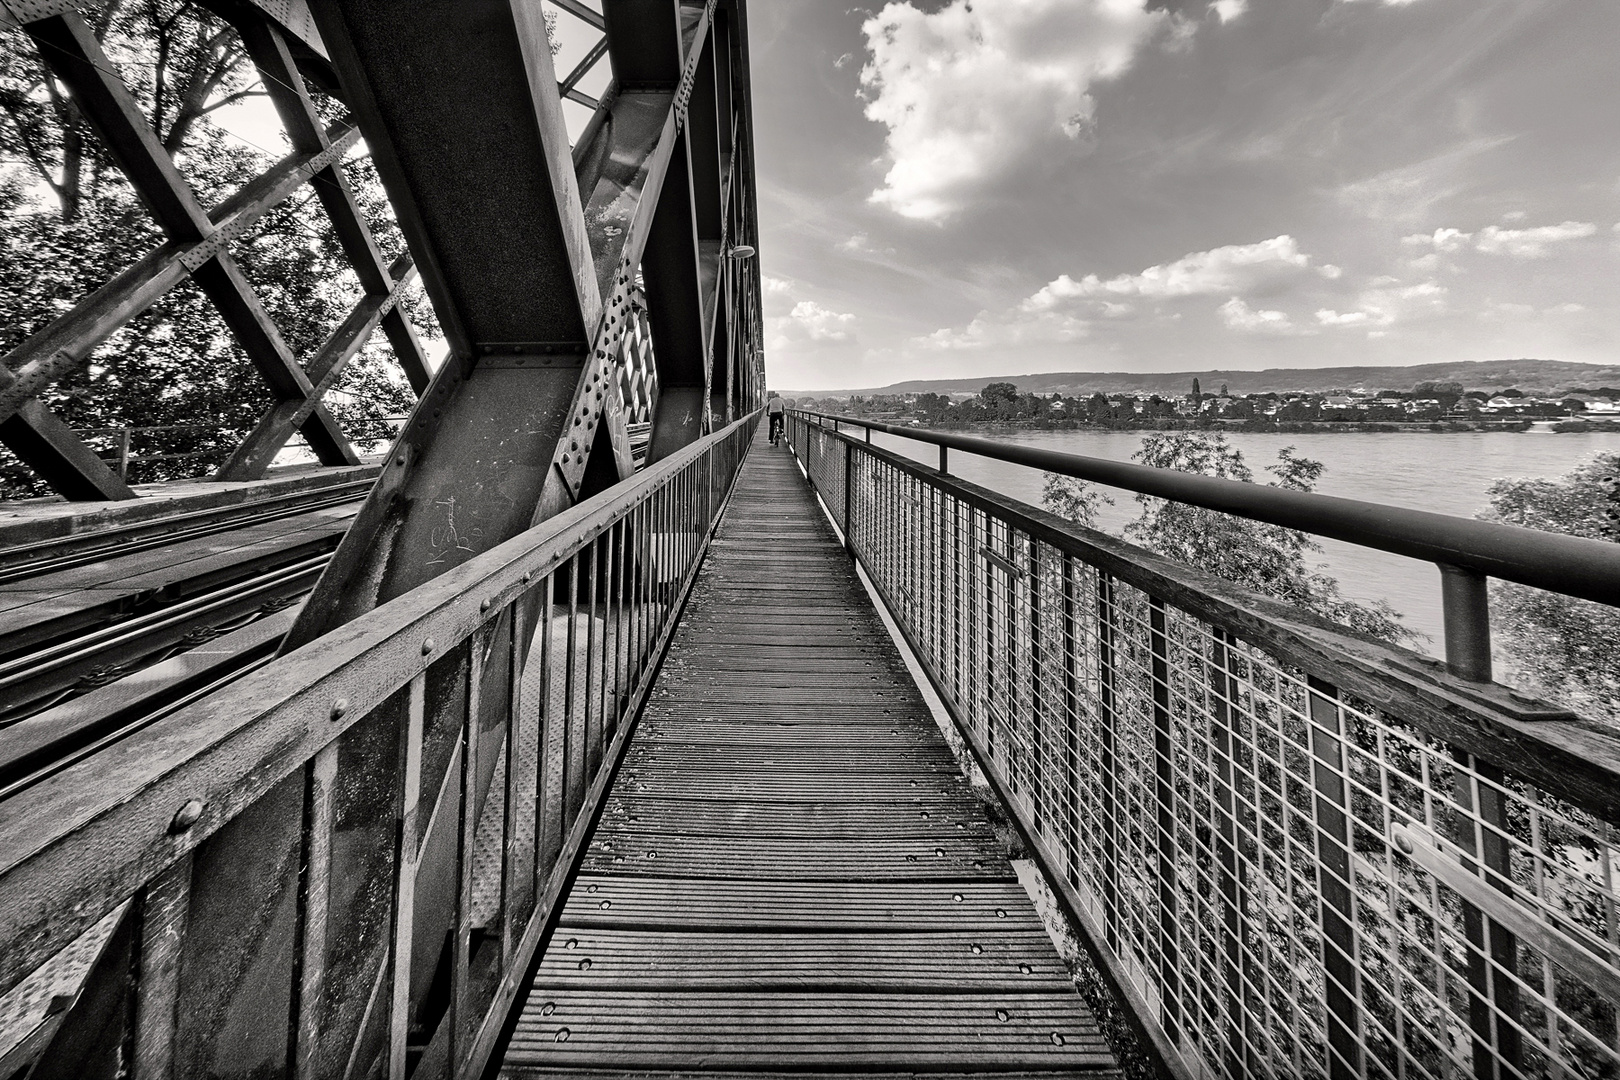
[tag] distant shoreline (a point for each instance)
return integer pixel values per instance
(1292, 427)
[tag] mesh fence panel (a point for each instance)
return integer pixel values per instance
(1293, 882)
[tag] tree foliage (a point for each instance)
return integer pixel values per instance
(1265, 558)
(1556, 645)
(69, 222)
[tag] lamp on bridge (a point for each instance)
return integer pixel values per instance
(740, 252)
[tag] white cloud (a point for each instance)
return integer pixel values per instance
(1008, 329)
(1329, 317)
(1237, 315)
(1384, 302)
(1227, 10)
(1530, 243)
(1439, 240)
(1534, 243)
(775, 286)
(968, 93)
(1236, 268)
(819, 323)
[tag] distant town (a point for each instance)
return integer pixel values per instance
(1433, 406)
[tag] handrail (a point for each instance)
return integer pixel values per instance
(1272, 832)
(598, 587)
(1573, 565)
(1466, 552)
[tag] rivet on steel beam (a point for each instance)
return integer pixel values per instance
(427, 646)
(486, 604)
(340, 708)
(187, 816)
(530, 574)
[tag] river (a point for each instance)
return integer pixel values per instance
(1448, 473)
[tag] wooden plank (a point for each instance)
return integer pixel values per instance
(792, 873)
(647, 961)
(806, 1030)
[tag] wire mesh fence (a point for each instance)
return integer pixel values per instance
(1283, 877)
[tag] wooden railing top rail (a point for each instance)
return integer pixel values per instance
(80, 842)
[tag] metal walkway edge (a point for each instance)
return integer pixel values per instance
(791, 873)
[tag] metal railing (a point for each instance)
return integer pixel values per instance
(1295, 850)
(414, 787)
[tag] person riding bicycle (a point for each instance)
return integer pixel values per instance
(776, 409)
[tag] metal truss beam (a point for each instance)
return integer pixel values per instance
(283, 45)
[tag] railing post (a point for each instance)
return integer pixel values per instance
(164, 904)
(1465, 604)
(1069, 647)
(123, 454)
(1036, 704)
(944, 459)
(1465, 607)
(1109, 763)
(1164, 796)
(1342, 990)
(849, 497)
(1226, 850)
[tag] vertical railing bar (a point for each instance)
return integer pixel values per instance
(1071, 722)
(514, 874)
(1037, 706)
(407, 854)
(1226, 850)
(315, 869)
(468, 746)
(162, 908)
(1164, 797)
(548, 806)
(1326, 734)
(593, 679)
(573, 784)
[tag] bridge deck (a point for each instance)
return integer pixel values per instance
(791, 872)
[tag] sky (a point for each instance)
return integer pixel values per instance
(954, 189)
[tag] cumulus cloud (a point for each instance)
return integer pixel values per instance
(1384, 302)
(1238, 315)
(819, 323)
(1227, 10)
(1000, 331)
(1236, 268)
(775, 286)
(1532, 243)
(1439, 240)
(969, 93)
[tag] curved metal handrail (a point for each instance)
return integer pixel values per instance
(1574, 565)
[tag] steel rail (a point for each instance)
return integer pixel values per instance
(1573, 565)
(126, 539)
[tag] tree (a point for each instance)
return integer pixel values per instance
(1073, 499)
(1265, 558)
(1556, 645)
(175, 364)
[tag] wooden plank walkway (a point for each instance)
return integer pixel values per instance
(791, 873)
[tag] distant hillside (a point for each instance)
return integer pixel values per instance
(1531, 376)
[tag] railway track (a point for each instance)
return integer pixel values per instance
(105, 632)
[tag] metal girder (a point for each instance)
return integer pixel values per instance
(532, 279)
(197, 248)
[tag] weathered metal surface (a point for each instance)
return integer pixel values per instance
(832, 899)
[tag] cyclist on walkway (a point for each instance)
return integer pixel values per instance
(776, 408)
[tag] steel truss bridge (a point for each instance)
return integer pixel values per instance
(518, 752)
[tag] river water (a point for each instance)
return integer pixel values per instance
(1447, 473)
